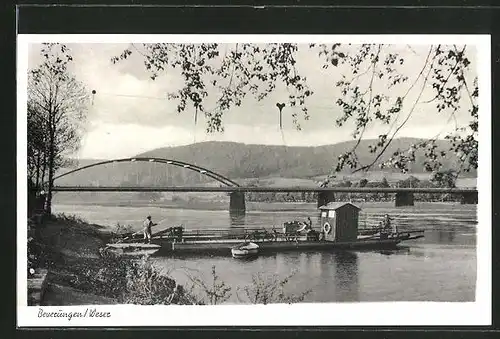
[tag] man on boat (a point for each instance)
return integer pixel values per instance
(386, 223)
(147, 229)
(309, 223)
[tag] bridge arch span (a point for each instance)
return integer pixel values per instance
(204, 171)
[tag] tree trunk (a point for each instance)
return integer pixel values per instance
(38, 168)
(48, 202)
(43, 167)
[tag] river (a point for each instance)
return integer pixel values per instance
(439, 267)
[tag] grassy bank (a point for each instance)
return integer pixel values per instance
(81, 272)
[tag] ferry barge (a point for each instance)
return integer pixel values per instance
(339, 231)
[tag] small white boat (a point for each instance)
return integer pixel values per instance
(245, 250)
(137, 249)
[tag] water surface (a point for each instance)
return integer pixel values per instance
(439, 267)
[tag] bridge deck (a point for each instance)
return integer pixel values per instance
(261, 189)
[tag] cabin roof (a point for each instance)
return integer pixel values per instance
(337, 205)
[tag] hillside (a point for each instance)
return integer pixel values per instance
(242, 161)
(238, 161)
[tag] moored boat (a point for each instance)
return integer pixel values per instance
(245, 250)
(339, 231)
(135, 249)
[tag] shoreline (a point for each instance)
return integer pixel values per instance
(82, 272)
(64, 243)
(198, 205)
(258, 206)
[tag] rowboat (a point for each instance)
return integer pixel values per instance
(245, 250)
(133, 249)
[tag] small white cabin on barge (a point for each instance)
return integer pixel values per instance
(339, 221)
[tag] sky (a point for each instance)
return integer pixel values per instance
(130, 114)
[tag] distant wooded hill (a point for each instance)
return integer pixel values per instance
(240, 161)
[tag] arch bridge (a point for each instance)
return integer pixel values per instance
(404, 196)
(237, 199)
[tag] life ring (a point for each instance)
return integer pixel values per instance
(327, 228)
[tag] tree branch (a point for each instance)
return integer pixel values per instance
(413, 85)
(370, 88)
(447, 78)
(401, 125)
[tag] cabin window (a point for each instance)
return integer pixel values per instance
(331, 214)
(323, 214)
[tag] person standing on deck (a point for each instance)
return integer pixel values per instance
(386, 225)
(309, 223)
(394, 228)
(147, 229)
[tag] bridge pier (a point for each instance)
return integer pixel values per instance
(404, 199)
(325, 197)
(237, 203)
(469, 198)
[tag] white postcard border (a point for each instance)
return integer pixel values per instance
(328, 314)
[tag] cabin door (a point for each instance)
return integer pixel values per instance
(334, 231)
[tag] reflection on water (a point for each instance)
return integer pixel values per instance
(402, 249)
(346, 274)
(445, 237)
(439, 267)
(416, 273)
(236, 219)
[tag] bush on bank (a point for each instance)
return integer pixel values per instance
(70, 248)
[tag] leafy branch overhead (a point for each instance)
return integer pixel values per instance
(231, 72)
(372, 87)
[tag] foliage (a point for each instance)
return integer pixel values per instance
(106, 276)
(363, 182)
(410, 182)
(384, 182)
(57, 105)
(37, 147)
(38, 254)
(282, 197)
(345, 183)
(122, 229)
(213, 293)
(439, 179)
(69, 219)
(33, 253)
(125, 279)
(264, 289)
(446, 178)
(231, 71)
(376, 71)
(146, 285)
(370, 76)
(268, 289)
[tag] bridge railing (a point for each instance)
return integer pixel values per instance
(261, 189)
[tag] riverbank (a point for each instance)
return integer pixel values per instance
(61, 242)
(207, 205)
(81, 273)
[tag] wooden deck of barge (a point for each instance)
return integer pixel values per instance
(220, 242)
(221, 247)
